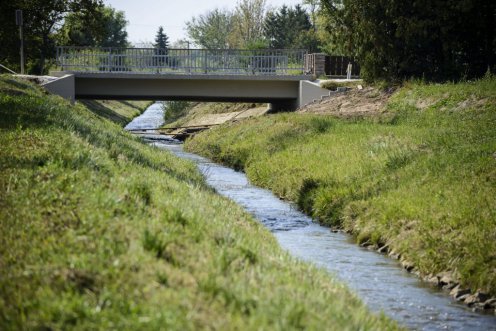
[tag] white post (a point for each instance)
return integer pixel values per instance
(348, 71)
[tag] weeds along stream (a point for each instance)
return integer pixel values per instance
(379, 281)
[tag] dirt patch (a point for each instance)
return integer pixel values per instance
(473, 102)
(366, 102)
(424, 103)
(204, 122)
(216, 119)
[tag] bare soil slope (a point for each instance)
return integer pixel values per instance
(369, 101)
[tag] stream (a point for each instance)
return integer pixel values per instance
(378, 280)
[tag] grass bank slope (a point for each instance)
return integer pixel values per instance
(181, 113)
(420, 178)
(100, 231)
(118, 111)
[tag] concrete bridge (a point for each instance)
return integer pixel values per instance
(279, 77)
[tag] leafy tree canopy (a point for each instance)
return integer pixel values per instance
(42, 19)
(224, 29)
(105, 27)
(431, 39)
(248, 19)
(211, 30)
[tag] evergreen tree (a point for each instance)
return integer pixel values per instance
(161, 39)
(287, 28)
(161, 46)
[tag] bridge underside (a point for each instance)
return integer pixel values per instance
(281, 91)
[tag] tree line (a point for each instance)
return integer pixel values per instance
(391, 39)
(252, 25)
(91, 23)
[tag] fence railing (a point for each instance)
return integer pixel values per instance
(320, 64)
(182, 61)
(337, 66)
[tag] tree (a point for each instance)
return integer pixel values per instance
(42, 18)
(212, 29)
(288, 28)
(114, 28)
(334, 37)
(9, 35)
(223, 29)
(161, 46)
(106, 27)
(161, 39)
(435, 39)
(308, 40)
(248, 23)
(313, 6)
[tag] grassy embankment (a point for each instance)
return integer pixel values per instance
(420, 178)
(100, 231)
(120, 112)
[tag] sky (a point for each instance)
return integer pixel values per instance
(145, 16)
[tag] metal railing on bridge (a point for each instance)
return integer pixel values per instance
(181, 61)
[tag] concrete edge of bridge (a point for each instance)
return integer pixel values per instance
(64, 85)
(181, 76)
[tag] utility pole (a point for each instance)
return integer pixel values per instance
(20, 24)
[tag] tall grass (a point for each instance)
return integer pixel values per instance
(174, 110)
(420, 178)
(99, 231)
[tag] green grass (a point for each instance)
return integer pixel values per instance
(99, 231)
(333, 85)
(421, 178)
(173, 110)
(179, 112)
(120, 112)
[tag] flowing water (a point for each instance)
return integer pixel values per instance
(380, 282)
